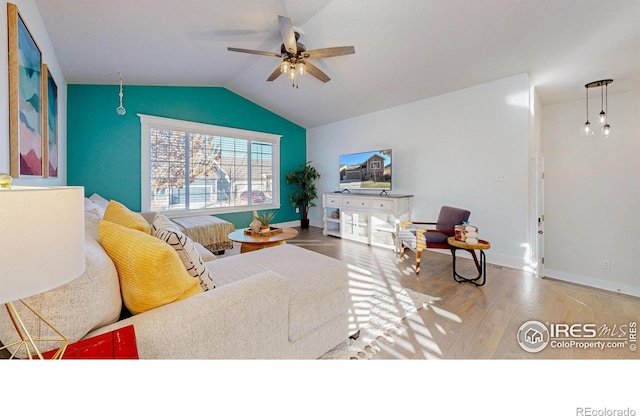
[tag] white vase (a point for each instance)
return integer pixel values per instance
(255, 224)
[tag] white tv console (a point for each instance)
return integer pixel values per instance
(367, 218)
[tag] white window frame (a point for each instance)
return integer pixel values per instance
(148, 121)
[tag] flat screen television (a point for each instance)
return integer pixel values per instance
(366, 171)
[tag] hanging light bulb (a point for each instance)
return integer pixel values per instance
(301, 67)
(603, 115)
(285, 67)
(586, 129)
(603, 118)
(606, 128)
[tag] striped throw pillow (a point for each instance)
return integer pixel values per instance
(164, 229)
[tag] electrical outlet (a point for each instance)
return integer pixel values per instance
(606, 264)
(297, 210)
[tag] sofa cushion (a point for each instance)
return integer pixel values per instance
(119, 214)
(164, 229)
(150, 271)
(89, 302)
(318, 285)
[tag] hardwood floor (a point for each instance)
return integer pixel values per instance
(482, 322)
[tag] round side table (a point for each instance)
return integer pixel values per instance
(256, 242)
(481, 265)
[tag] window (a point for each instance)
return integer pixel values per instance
(199, 168)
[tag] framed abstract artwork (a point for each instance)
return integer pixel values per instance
(50, 123)
(25, 99)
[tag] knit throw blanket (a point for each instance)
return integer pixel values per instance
(209, 231)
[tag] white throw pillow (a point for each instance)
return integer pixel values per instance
(164, 229)
(91, 220)
(100, 202)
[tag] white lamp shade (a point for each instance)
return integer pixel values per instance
(41, 239)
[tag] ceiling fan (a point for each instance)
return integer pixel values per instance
(295, 55)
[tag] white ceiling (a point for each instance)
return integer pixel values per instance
(406, 50)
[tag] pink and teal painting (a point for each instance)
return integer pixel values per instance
(29, 109)
(52, 125)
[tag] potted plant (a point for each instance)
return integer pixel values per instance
(265, 218)
(305, 180)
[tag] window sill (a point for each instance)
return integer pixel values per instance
(216, 211)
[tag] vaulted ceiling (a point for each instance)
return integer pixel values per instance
(406, 50)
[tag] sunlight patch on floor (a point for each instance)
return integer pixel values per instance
(446, 314)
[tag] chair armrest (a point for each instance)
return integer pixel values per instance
(244, 319)
(403, 224)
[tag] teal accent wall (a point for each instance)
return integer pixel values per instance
(103, 148)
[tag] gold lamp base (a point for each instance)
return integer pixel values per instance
(26, 340)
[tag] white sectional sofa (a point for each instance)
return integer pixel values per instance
(284, 302)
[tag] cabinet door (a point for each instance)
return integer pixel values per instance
(354, 225)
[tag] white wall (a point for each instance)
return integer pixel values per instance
(448, 150)
(31, 16)
(593, 194)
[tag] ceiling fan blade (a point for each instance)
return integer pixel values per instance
(316, 72)
(329, 52)
(275, 74)
(288, 35)
(255, 52)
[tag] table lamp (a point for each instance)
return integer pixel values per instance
(41, 248)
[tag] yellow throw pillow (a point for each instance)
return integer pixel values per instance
(118, 213)
(150, 271)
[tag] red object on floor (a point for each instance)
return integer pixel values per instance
(119, 344)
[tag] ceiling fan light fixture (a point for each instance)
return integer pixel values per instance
(293, 54)
(301, 68)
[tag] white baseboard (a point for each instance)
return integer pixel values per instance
(288, 224)
(316, 223)
(593, 282)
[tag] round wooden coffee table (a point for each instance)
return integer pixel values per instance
(481, 265)
(251, 242)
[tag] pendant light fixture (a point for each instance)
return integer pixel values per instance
(587, 129)
(120, 109)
